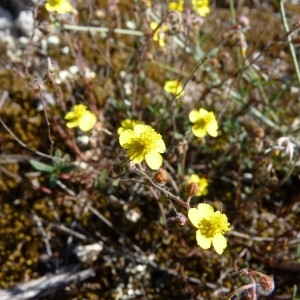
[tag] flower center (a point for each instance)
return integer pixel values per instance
(54, 2)
(147, 142)
(217, 223)
(140, 146)
(202, 123)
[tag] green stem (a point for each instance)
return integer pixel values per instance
(232, 12)
(102, 29)
(289, 39)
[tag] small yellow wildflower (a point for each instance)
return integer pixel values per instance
(143, 143)
(204, 123)
(128, 124)
(59, 6)
(211, 227)
(201, 7)
(174, 87)
(176, 5)
(159, 34)
(201, 182)
(80, 116)
(147, 3)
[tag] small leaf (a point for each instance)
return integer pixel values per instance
(39, 166)
(67, 169)
(58, 153)
(53, 179)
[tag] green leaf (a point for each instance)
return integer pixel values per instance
(58, 153)
(53, 179)
(39, 166)
(67, 169)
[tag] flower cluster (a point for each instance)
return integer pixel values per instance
(204, 123)
(211, 227)
(143, 143)
(59, 6)
(81, 117)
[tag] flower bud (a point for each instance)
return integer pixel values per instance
(161, 176)
(192, 189)
(265, 285)
(178, 221)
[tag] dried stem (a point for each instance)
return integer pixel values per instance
(167, 193)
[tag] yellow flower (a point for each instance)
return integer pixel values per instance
(174, 87)
(211, 227)
(176, 5)
(128, 124)
(81, 117)
(148, 3)
(159, 34)
(201, 182)
(143, 143)
(59, 6)
(204, 123)
(201, 7)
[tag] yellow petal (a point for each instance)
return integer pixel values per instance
(140, 128)
(194, 216)
(127, 124)
(87, 121)
(61, 6)
(178, 5)
(154, 160)
(120, 130)
(70, 115)
(203, 11)
(194, 178)
(212, 129)
(72, 123)
(126, 137)
(199, 131)
(203, 242)
(203, 112)
(161, 43)
(66, 7)
(205, 210)
(219, 242)
(136, 157)
(194, 116)
(153, 25)
(160, 146)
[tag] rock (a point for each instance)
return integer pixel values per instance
(16, 16)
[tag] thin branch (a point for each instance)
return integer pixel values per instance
(25, 146)
(167, 193)
(189, 78)
(47, 285)
(46, 117)
(102, 30)
(44, 234)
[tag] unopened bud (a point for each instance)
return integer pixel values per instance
(192, 189)
(120, 166)
(265, 285)
(161, 176)
(178, 221)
